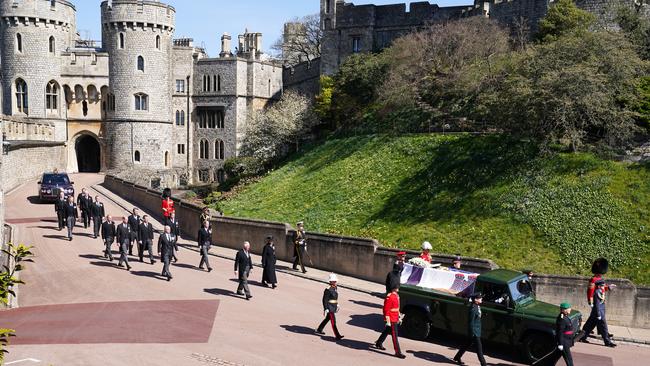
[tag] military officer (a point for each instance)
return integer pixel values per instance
(205, 242)
(597, 317)
(564, 334)
(134, 223)
(392, 317)
(474, 331)
(330, 307)
(146, 239)
(97, 213)
(394, 276)
(166, 250)
(108, 235)
(124, 240)
(299, 247)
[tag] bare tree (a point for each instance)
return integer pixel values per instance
(301, 40)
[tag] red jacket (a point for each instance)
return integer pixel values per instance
(391, 307)
(168, 207)
(592, 288)
(426, 257)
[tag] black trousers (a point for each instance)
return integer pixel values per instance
(393, 330)
(593, 322)
(60, 215)
(330, 317)
(85, 215)
(175, 250)
(479, 349)
(165, 272)
(124, 247)
(565, 353)
(97, 223)
(299, 258)
(147, 245)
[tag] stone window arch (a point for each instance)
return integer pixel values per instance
(136, 156)
(180, 118)
(219, 150)
(157, 42)
(121, 41)
(220, 119)
(52, 97)
(141, 102)
(140, 63)
(22, 97)
(218, 82)
(19, 43)
(52, 44)
(204, 149)
(166, 159)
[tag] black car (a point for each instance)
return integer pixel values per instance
(52, 183)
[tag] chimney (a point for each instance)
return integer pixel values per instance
(225, 46)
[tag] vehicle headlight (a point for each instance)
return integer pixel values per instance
(49, 191)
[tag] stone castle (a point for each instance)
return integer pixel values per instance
(139, 100)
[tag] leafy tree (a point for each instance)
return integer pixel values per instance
(637, 29)
(563, 18)
(643, 107)
(323, 102)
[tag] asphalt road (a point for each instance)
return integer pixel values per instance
(79, 309)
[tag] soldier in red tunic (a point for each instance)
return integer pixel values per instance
(392, 317)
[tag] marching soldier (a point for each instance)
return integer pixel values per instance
(268, 263)
(108, 235)
(426, 248)
(299, 247)
(205, 242)
(59, 208)
(597, 317)
(474, 332)
(166, 250)
(124, 240)
(71, 215)
(175, 231)
(392, 317)
(167, 206)
(134, 223)
(330, 307)
(146, 239)
(84, 201)
(394, 276)
(564, 335)
(97, 213)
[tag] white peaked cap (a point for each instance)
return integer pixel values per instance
(426, 246)
(333, 278)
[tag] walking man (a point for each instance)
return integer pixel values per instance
(392, 318)
(108, 235)
(474, 331)
(299, 247)
(597, 317)
(124, 240)
(97, 213)
(134, 223)
(205, 242)
(176, 231)
(564, 335)
(84, 201)
(330, 307)
(243, 268)
(146, 239)
(71, 215)
(59, 208)
(166, 250)
(268, 263)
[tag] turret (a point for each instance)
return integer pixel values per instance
(226, 50)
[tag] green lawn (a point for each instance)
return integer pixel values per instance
(484, 197)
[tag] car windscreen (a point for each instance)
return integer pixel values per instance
(520, 289)
(56, 179)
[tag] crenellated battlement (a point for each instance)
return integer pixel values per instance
(138, 15)
(37, 13)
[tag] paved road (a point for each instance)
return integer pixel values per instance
(79, 309)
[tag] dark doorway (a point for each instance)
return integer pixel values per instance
(88, 152)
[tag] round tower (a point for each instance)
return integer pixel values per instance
(138, 34)
(33, 33)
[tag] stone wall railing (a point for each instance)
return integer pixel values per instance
(629, 305)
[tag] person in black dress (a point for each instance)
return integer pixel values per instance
(268, 263)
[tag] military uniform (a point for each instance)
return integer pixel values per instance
(474, 333)
(108, 235)
(564, 334)
(597, 317)
(393, 278)
(330, 306)
(299, 249)
(391, 315)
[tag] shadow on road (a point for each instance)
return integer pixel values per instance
(367, 321)
(150, 274)
(34, 200)
(92, 256)
(45, 227)
(366, 303)
(222, 292)
(105, 264)
(299, 329)
(186, 266)
(353, 344)
(61, 237)
(432, 357)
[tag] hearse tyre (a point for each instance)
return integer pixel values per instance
(537, 345)
(415, 324)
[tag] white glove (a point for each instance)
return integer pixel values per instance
(591, 305)
(600, 318)
(560, 347)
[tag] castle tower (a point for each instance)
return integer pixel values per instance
(33, 34)
(138, 34)
(330, 47)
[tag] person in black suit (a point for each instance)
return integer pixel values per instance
(166, 250)
(175, 231)
(205, 242)
(97, 213)
(123, 240)
(59, 208)
(243, 268)
(84, 201)
(134, 223)
(268, 263)
(146, 239)
(108, 235)
(71, 215)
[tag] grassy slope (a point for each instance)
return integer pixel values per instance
(479, 196)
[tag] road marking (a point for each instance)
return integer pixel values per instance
(25, 360)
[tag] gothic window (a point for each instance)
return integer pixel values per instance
(212, 123)
(140, 63)
(219, 150)
(158, 42)
(219, 115)
(136, 156)
(121, 41)
(204, 149)
(356, 44)
(22, 104)
(214, 80)
(52, 96)
(141, 102)
(180, 148)
(167, 159)
(180, 118)
(19, 42)
(328, 6)
(218, 82)
(52, 45)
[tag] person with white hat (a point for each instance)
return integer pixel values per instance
(330, 307)
(426, 248)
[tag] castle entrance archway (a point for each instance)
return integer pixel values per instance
(88, 154)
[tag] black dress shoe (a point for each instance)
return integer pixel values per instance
(265, 284)
(340, 337)
(153, 262)
(240, 293)
(169, 278)
(380, 347)
(400, 355)
(319, 332)
(610, 344)
(583, 340)
(209, 269)
(458, 361)
(274, 286)
(128, 268)
(248, 297)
